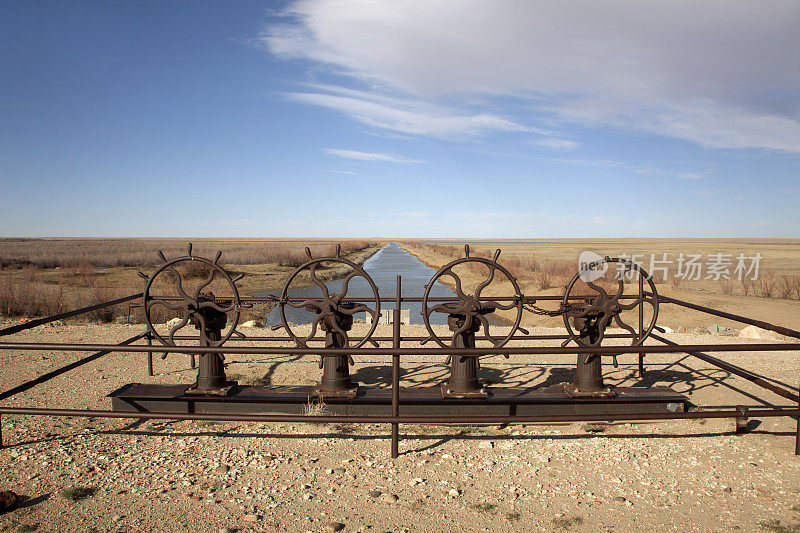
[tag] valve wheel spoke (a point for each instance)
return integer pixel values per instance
(329, 305)
(626, 327)
(464, 327)
(176, 327)
(457, 281)
(497, 305)
(605, 308)
(178, 280)
(316, 280)
(472, 308)
(345, 286)
(485, 323)
(314, 325)
(173, 307)
(357, 309)
(205, 283)
(580, 313)
(193, 309)
(217, 307)
(598, 288)
(486, 282)
(304, 304)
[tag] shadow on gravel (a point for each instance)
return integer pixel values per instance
(425, 434)
(28, 501)
(466, 434)
(381, 375)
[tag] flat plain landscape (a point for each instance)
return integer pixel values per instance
(546, 266)
(698, 475)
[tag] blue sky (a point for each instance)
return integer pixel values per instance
(400, 119)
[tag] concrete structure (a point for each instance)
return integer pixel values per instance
(386, 316)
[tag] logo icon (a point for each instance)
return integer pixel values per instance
(591, 266)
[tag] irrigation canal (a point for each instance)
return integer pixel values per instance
(383, 268)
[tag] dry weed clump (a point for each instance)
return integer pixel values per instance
(76, 493)
(545, 274)
(770, 285)
(522, 268)
(34, 299)
(28, 290)
(30, 298)
(748, 286)
(550, 274)
(765, 285)
(30, 294)
(726, 287)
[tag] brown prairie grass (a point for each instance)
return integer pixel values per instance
(547, 274)
(44, 277)
(79, 254)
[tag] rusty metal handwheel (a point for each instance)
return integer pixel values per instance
(330, 304)
(472, 307)
(608, 306)
(190, 306)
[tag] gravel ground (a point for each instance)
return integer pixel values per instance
(167, 475)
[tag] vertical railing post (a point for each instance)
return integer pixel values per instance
(741, 419)
(797, 435)
(1, 432)
(641, 322)
(149, 354)
(396, 373)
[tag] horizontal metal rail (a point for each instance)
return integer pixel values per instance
(416, 299)
(466, 352)
(405, 419)
(722, 314)
(695, 350)
(50, 375)
(733, 369)
(403, 339)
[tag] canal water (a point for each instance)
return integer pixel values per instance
(383, 268)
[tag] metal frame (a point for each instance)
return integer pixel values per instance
(740, 413)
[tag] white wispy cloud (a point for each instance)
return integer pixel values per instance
(555, 143)
(714, 124)
(407, 115)
(636, 169)
(342, 171)
(499, 217)
(370, 156)
(715, 73)
(690, 176)
(415, 214)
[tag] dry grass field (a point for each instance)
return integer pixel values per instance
(546, 266)
(40, 277)
(44, 276)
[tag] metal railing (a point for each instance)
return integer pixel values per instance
(397, 352)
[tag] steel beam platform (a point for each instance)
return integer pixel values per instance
(503, 401)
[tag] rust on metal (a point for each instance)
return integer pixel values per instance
(463, 399)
